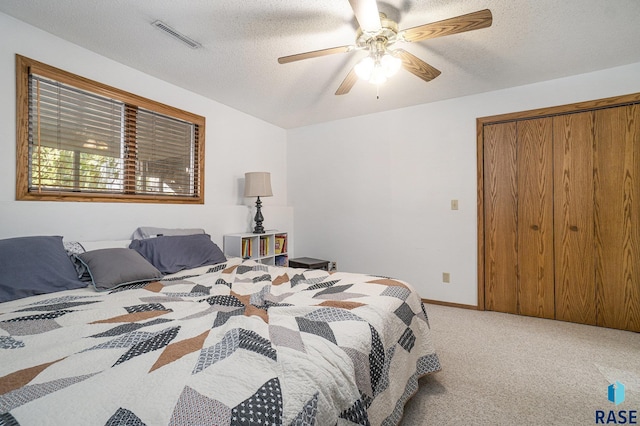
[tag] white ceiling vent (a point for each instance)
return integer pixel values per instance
(175, 34)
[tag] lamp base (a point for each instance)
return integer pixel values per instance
(259, 229)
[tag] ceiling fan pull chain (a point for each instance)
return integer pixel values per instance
(377, 91)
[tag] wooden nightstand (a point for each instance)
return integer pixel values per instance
(309, 263)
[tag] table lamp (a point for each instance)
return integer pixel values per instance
(258, 184)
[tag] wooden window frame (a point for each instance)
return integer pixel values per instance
(25, 66)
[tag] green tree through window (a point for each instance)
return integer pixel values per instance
(93, 171)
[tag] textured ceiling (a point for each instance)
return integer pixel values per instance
(529, 41)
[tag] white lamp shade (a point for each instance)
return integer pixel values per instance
(257, 184)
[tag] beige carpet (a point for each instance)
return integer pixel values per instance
(501, 369)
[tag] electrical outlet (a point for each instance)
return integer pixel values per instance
(454, 204)
(446, 277)
(333, 265)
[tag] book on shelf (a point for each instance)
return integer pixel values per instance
(264, 246)
(281, 244)
(246, 248)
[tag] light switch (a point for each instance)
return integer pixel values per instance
(454, 204)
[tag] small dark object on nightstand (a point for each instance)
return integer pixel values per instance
(309, 263)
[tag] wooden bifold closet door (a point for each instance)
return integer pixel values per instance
(573, 218)
(560, 215)
(617, 217)
(519, 186)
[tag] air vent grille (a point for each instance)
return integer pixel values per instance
(175, 34)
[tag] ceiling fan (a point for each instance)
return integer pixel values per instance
(378, 35)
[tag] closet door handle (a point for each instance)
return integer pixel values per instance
(573, 228)
(535, 227)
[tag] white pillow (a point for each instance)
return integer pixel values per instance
(145, 232)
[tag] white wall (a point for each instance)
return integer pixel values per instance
(374, 192)
(235, 143)
(371, 192)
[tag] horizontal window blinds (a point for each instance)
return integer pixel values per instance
(75, 139)
(165, 155)
(83, 142)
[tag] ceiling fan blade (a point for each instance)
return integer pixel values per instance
(366, 12)
(459, 24)
(417, 66)
(314, 54)
(347, 83)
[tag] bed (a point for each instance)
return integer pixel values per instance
(231, 342)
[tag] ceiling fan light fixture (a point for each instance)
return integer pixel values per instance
(390, 64)
(376, 70)
(364, 68)
(378, 75)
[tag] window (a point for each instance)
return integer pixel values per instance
(79, 140)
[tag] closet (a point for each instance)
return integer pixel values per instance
(559, 213)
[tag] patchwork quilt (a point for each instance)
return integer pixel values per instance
(239, 343)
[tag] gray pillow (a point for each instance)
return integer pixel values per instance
(115, 267)
(171, 254)
(35, 265)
